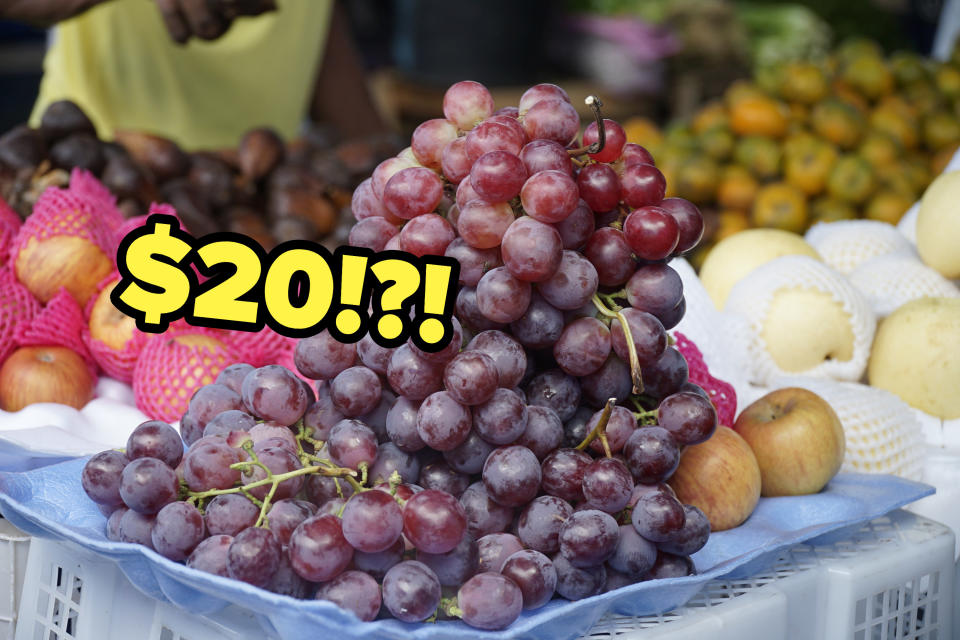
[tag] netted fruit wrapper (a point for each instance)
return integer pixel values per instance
(59, 323)
(116, 363)
(883, 434)
(17, 306)
(83, 183)
(9, 226)
(722, 394)
(892, 280)
(260, 348)
(173, 365)
(60, 212)
(752, 297)
(847, 244)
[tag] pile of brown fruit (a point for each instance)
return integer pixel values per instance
(265, 188)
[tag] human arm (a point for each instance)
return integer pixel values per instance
(43, 13)
(341, 96)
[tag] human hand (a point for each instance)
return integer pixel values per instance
(207, 19)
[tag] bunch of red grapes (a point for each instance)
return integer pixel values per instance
(527, 459)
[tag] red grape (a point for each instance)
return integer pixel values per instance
(429, 139)
(497, 176)
(642, 185)
(412, 192)
(651, 232)
(549, 196)
(466, 103)
(434, 521)
(615, 139)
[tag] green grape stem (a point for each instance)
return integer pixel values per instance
(600, 430)
(642, 415)
(636, 375)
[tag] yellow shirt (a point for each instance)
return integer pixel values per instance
(118, 63)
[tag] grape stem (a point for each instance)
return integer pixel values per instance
(448, 607)
(594, 103)
(600, 430)
(643, 415)
(636, 374)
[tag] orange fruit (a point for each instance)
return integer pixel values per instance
(713, 114)
(947, 79)
(799, 114)
(855, 47)
(923, 97)
(759, 116)
(941, 129)
(851, 179)
(730, 221)
(916, 167)
(830, 209)
(737, 188)
(803, 82)
(868, 75)
(741, 89)
(894, 177)
(896, 124)
(642, 131)
(843, 92)
(908, 68)
(837, 122)
(697, 179)
(807, 168)
(887, 206)
(942, 158)
(879, 149)
(760, 155)
(717, 142)
(781, 206)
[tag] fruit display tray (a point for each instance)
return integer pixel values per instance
(50, 503)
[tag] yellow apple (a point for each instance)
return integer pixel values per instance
(916, 355)
(43, 266)
(735, 256)
(720, 477)
(45, 374)
(938, 225)
(108, 324)
(797, 438)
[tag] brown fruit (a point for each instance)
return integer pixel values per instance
(81, 150)
(285, 229)
(22, 148)
(797, 439)
(126, 179)
(721, 477)
(43, 266)
(837, 122)
(162, 157)
(887, 206)
(259, 152)
(45, 374)
(300, 203)
(851, 179)
(212, 176)
(192, 208)
(63, 117)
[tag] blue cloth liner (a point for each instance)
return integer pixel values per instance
(49, 502)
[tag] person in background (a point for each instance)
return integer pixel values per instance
(202, 72)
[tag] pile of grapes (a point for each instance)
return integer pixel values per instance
(527, 459)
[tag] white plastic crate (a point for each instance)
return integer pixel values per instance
(894, 578)
(14, 545)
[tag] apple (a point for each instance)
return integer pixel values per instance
(938, 225)
(736, 256)
(45, 374)
(916, 355)
(45, 265)
(108, 324)
(797, 438)
(720, 477)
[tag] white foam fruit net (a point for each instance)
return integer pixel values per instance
(892, 280)
(882, 433)
(709, 330)
(846, 244)
(752, 296)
